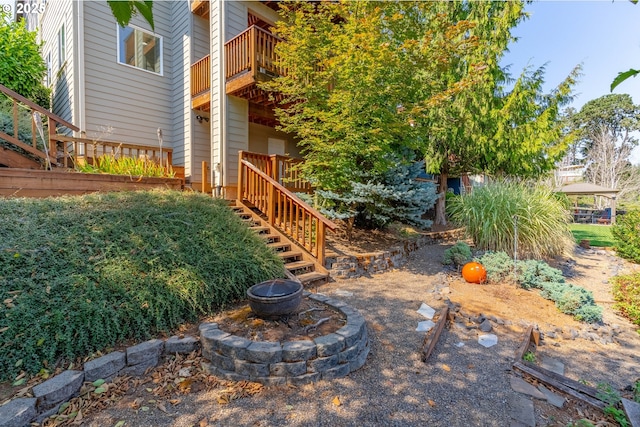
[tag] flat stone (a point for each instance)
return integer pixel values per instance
(18, 412)
(632, 409)
(328, 345)
(295, 351)
(221, 361)
(210, 339)
(270, 381)
(249, 369)
(351, 333)
(485, 326)
(223, 374)
(553, 398)
(57, 389)
(206, 326)
(104, 367)
(288, 369)
(349, 354)
(304, 379)
(337, 372)
(522, 410)
(319, 297)
(144, 351)
(553, 365)
(234, 346)
(360, 360)
(521, 386)
(179, 345)
(322, 364)
(140, 368)
(264, 352)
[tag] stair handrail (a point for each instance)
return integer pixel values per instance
(266, 195)
(37, 107)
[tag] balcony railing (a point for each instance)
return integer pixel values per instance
(250, 57)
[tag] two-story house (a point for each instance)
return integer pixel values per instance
(194, 77)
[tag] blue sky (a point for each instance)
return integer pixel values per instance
(602, 35)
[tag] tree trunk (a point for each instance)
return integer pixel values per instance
(441, 218)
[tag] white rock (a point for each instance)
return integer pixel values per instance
(426, 311)
(488, 340)
(425, 326)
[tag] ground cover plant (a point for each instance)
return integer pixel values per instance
(491, 213)
(532, 274)
(597, 235)
(79, 274)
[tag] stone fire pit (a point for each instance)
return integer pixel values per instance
(290, 362)
(275, 298)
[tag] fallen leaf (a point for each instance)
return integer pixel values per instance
(336, 401)
(203, 422)
(119, 424)
(446, 367)
(98, 383)
(144, 408)
(161, 407)
(174, 401)
(223, 399)
(431, 403)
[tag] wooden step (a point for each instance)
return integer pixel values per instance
(299, 265)
(280, 246)
(314, 276)
(270, 237)
(290, 255)
(262, 231)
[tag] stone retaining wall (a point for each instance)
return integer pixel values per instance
(356, 265)
(51, 394)
(293, 362)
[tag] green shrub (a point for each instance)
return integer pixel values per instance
(499, 266)
(533, 273)
(626, 293)
(488, 215)
(573, 300)
(80, 274)
(131, 166)
(458, 254)
(626, 232)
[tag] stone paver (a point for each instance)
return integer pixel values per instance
(521, 386)
(522, 410)
(18, 412)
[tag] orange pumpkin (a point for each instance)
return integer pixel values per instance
(474, 272)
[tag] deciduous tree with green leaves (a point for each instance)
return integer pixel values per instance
(368, 78)
(22, 68)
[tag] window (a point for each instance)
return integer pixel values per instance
(139, 49)
(48, 78)
(62, 47)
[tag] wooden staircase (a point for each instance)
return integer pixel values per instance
(298, 263)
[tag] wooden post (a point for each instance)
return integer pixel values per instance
(204, 176)
(275, 171)
(53, 149)
(271, 203)
(34, 138)
(240, 192)
(320, 242)
(252, 52)
(15, 119)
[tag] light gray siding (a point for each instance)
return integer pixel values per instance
(125, 103)
(52, 20)
(179, 43)
(217, 87)
(200, 144)
(259, 140)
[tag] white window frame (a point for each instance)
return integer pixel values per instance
(62, 47)
(161, 48)
(49, 76)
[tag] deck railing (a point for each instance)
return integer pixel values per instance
(51, 123)
(281, 168)
(201, 76)
(283, 209)
(86, 150)
(63, 150)
(253, 50)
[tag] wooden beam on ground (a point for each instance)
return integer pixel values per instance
(430, 340)
(524, 346)
(562, 383)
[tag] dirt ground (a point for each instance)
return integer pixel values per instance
(395, 387)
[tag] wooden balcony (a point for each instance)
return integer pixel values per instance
(250, 59)
(200, 8)
(201, 84)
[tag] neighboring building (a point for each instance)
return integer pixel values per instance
(569, 174)
(194, 78)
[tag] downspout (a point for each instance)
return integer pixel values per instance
(222, 99)
(78, 67)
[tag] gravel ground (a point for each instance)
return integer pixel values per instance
(459, 386)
